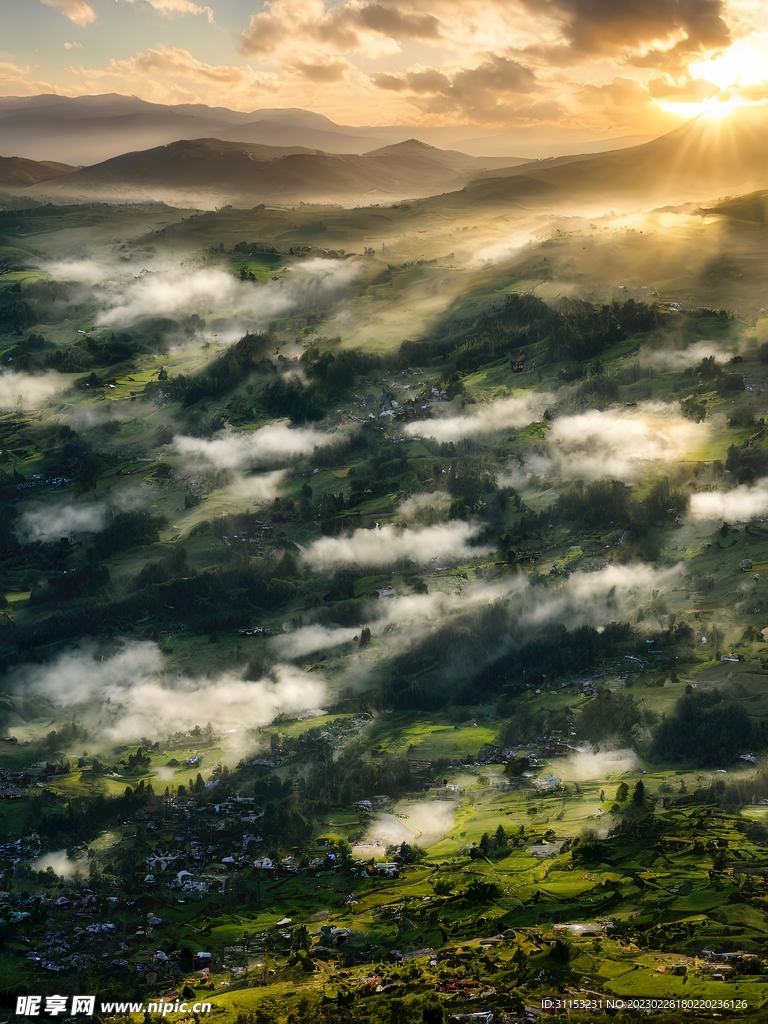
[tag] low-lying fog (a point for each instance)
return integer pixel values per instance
(128, 694)
(423, 822)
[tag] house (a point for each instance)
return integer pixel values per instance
(548, 783)
(363, 805)
(414, 954)
(387, 869)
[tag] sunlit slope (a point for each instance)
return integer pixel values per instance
(705, 157)
(16, 172)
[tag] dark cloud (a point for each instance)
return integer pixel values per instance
(605, 27)
(331, 72)
(389, 21)
(478, 91)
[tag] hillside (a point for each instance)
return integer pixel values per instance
(17, 172)
(250, 174)
(703, 157)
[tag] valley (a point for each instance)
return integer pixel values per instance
(384, 618)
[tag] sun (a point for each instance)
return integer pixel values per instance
(709, 110)
(716, 110)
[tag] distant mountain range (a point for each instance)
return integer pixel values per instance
(90, 129)
(702, 160)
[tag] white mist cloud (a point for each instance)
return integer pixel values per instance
(33, 391)
(310, 638)
(618, 443)
(257, 488)
(400, 624)
(52, 521)
(62, 864)
(128, 695)
(740, 504)
(424, 499)
(518, 411)
(678, 359)
(89, 271)
(169, 290)
(515, 476)
(449, 541)
(274, 443)
(597, 598)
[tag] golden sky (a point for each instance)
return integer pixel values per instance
(597, 68)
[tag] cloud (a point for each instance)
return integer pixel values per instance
(344, 27)
(174, 8)
(678, 359)
(33, 391)
(73, 46)
(128, 695)
(389, 21)
(175, 61)
(625, 103)
(738, 505)
(385, 546)
(310, 638)
(515, 412)
(479, 91)
(257, 489)
(402, 623)
(78, 11)
(333, 71)
(618, 443)
(169, 290)
(171, 74)
(597, 598)
(425, 499)
(52, 521)
(62, 864)
(690, 90)
(655, 30)
(270, 445)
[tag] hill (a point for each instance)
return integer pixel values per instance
(17, 172)
(705, 157)
(205, 170)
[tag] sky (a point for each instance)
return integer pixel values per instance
(609, 68)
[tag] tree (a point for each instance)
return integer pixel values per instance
(432, 1010)
(398, 1012)
(500, 838)
(485, 844)
(622, 792)
(638, 796)
(560, 951)
(705, 728)
(478, 892)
